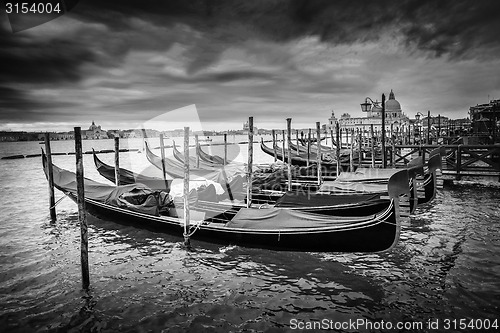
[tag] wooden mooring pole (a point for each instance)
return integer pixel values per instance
(384, 152)
(162, 154)
(297, 141)
(372, 142)
(318, 140)
(187, 241)
(52, 198)
(308, 147)
(274, 146)
(429, 127)
(225, 149)
(283, 145)
(337, 150)
(250, 160)
(196, 141)
(117, 160)
(289, 152)
(351, 152)
(360, 149)
(82, 217)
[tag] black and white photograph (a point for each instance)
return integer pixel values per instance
(249, 166)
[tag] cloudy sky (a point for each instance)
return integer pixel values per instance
(123, 62)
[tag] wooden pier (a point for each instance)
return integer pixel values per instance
(459, 160)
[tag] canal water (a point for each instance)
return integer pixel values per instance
(444, 272)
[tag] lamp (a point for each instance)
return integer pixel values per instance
(367, 106)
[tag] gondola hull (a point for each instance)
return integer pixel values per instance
(378, 235)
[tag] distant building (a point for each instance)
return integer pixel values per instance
(246, 128)
(485, 117)
(94, 132)
(393, 116)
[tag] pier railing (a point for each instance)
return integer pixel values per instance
(459, 160)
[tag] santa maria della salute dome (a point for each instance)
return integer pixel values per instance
(393, 116)
(392, 105)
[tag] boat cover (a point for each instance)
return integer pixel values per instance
(292, 199)
(282, 219)
(366, 187)
(135, 197)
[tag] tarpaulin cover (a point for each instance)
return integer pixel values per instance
(281, 219)
(366, 187)
(292, 199)
(136, 197)
(368, 174)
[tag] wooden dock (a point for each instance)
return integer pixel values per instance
(476, 161)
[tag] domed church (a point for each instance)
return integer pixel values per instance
(392, 109)
(393, 115)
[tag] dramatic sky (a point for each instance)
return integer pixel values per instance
(122, 62)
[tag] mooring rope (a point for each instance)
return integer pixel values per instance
(58, 201)
(191, 233)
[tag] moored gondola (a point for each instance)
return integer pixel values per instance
(274, 227)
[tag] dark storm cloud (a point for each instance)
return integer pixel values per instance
(443, 27)
(101, 34)
(456, 28)
(28, 60)
(17, 105)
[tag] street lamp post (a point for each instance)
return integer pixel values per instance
(417, 118)
(367, 106)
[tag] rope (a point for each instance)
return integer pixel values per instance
(191, 233)
(58, 201)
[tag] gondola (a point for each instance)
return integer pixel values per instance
(340, 204)
(214, 159)
(271, 228)
(175, 169)
(129, 177)
(299, 160)
(347, 203)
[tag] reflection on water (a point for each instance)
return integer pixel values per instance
(446, 265)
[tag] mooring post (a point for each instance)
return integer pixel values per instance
(360, 147)
(439, 128)
(162, 154)
(495, 127)
(283, 147)
(351, 152)
(337, 150)
(429, 127)
(289, 152)
(187, 241)
(393, 152)
(459, 162)
(297, 140)
(346, 137)
(372, 143)
(117, 161)
(250, 160)
(308, 148)
(52, 198)
(384, 152)
(197, 153)
(225, 148)
(318, 140)
(274, 147)
(82, 217)
(331, 136)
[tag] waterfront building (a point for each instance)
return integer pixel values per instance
(393, 116)
(485, 118)
(94, 132)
